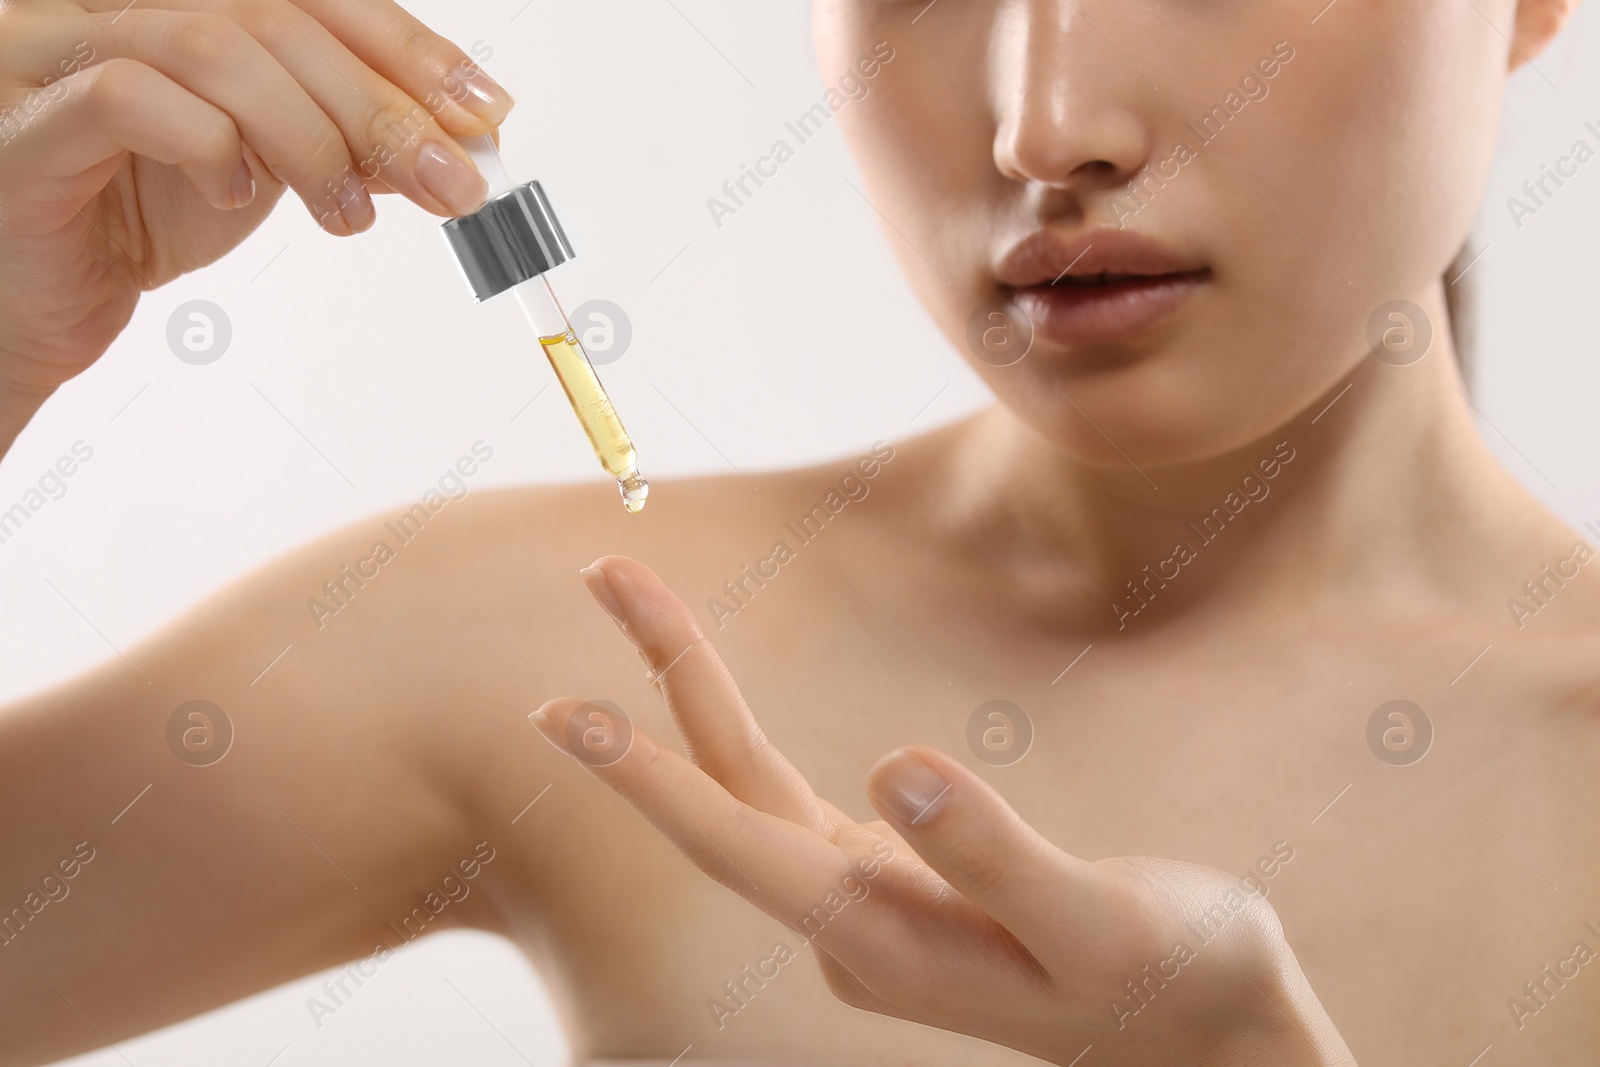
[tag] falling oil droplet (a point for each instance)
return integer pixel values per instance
(634, 491)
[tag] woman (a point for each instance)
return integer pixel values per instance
(1230, 506)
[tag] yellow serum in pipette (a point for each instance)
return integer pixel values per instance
(589, 401)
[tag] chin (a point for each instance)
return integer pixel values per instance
(1155, 412)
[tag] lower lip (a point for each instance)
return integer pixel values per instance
(1086, 314)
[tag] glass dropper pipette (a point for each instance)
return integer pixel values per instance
(512, 242)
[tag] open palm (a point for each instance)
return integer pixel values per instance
(952, 911)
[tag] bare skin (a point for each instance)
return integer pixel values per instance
(397, 737)
(1224, 722)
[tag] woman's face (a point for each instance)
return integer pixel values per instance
(1294, 167)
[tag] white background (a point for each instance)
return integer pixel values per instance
(784, 337)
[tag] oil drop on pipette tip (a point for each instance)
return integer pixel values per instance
(610, 441)
(510, 244)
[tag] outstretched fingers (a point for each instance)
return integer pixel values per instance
(779, 866)
(722, 737)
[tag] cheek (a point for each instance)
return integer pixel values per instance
(1369, 161)
(842, 32)
(1382, 148)
(924, 143)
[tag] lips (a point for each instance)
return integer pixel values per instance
(1100, 286)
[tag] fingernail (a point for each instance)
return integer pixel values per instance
(909, 788)
(345, 207)
(451, 180)
(356, 207)
(600, 589)
(547, 729)
(331, 219)
(244, 186)
(486, 97)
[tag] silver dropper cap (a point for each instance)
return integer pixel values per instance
(513, 237)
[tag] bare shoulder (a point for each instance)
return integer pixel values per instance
(470, 591)
(691, 527)
(1551, 621)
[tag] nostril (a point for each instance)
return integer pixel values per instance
(1097, 168)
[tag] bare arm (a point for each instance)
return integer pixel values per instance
(137, 888)
(340, 806)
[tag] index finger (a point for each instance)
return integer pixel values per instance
(429, 68)
(722, 736)
(773, 863)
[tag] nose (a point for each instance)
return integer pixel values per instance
(1071, 109)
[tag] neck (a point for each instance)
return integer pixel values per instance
(1381, 487)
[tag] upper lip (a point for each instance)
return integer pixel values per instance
(1045, 255)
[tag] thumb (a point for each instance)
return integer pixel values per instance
(966, 832)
